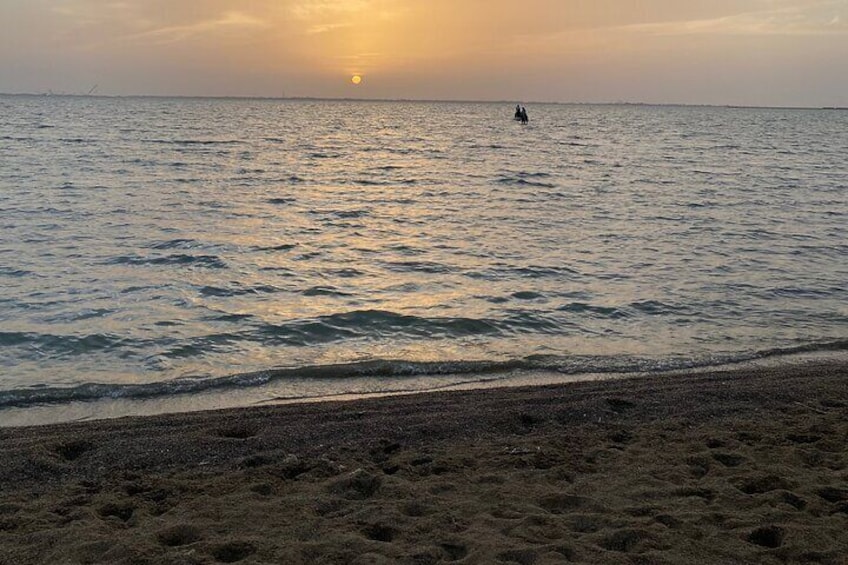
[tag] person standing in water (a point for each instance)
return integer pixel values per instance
(524, 118)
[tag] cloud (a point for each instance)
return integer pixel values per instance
(751, 19)
(313, 9)
(413, 48)
(779, 18)
(229, 20)
(95, 24)
(324, 28)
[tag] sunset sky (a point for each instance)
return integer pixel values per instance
(747, 52)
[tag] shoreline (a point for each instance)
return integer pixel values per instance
(358, 378)
(722, 465)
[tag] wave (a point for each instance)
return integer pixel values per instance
(526, 179)
(280, 247)
(821, 347)
(237, 290)
(369, 182)
(12, 272)
(209, 261)
(631, 310)
(194, 141)
(63, 345)
(543, 271)
(358, 325)
(657, 308)
(418, 266)
(528, 295)
(177, 244)
(393, 371)
(304, 332)
(374, 324)
(599, 311)
(324, 291)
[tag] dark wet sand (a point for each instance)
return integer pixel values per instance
(721, 467)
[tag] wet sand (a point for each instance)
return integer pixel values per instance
(721, 467)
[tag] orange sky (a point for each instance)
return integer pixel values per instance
(758, 52)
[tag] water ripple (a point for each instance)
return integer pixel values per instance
(149, 239)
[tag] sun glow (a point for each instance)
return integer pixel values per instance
(570, 50)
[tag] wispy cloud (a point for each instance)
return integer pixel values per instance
(799, 18)
(87, 13)
(323, 16)
(324, 28)
(772, 18)
(171, 34)
(94, 24)
(316, 9)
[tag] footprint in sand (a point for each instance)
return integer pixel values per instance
(454, 551)
(626, 540)
(73, 450)
(179, 535)
(122, 510)
(380, 532)
(729, 459)
(233, 551)
(767, 536)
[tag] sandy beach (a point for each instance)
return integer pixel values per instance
(737, 466)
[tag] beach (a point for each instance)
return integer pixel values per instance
(322, 282)
(721, 466)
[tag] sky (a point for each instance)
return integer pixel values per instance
(737, 52)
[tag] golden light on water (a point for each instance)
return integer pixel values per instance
(356, 79)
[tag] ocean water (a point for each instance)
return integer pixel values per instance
(233, 252)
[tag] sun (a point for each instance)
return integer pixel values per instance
(356, 79)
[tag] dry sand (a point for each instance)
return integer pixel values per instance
(722, 467)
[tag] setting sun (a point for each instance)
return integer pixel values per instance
(738, 52)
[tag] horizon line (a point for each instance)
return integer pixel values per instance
(418, 100)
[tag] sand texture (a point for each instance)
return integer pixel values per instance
(722, 467)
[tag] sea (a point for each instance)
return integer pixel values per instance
(172, 254)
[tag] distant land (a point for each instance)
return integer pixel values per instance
(413, 100)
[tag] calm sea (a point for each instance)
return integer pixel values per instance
(231, 252)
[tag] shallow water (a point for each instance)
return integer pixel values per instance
(153, 247)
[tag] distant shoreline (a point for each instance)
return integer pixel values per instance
(413, 101)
